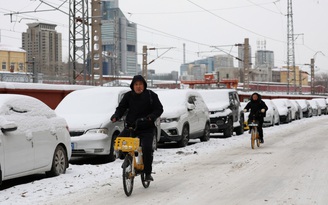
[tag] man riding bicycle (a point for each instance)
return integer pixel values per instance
(258, 110)
(140, 103)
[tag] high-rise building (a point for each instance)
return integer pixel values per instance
(223, 61)
(264, 58)
(119, 40)
(43, 45)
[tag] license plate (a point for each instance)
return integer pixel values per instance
(252, 125)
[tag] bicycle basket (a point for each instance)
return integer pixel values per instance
(126, 144)
(253, 124)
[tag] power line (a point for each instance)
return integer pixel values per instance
(230, 22)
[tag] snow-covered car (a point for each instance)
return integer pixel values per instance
(88, 113)
(246, 114)
(272, 115)
(306, 107)
(322, 105)
(316, 111)
(226, 113)
(33, 138)
(299, 112)
(285, 113)
(185, 116)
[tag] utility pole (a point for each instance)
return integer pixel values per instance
(300, 81)
(144, 62)
(96, 43)
(246, 64)
(78, 39)
(312, 76)
(290, 45)
(116, 49)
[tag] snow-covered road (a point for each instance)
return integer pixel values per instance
(290, 168)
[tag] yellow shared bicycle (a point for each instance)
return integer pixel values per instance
(133, 162)
(255, 137)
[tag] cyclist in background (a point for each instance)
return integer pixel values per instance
(258, 110)
(140, 103)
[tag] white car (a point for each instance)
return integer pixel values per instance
(306, 107)
(299, 112)
(272, 114)
(316, 111)
(322, 105)
(185, 116)
(246, 114)
(88, 113)
(33, 138)
(285, 112)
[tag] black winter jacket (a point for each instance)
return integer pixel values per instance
(256, 106)
(144, 105)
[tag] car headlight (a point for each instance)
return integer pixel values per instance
(168, 120)
(101, 131)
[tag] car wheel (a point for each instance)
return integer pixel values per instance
(206, 135)
(229, 130)
(278, 123)
(111, 156)
(59, 162)
(240, 130)
(185, 137)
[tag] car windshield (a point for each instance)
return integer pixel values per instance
(280, 102)
(88, 103)
(215, 96)
(171, 98)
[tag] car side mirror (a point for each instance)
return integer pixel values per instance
(190, 106)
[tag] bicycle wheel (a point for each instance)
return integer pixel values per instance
(257, 137)
(253, 137)
(143, 181)
(128, 178)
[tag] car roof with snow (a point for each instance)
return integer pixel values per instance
(24, 103)
(96, 100)
(170, 97)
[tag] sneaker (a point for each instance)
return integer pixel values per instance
(149, 177)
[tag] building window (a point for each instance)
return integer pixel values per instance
(12, 67)
(21, 66)
(4, 66)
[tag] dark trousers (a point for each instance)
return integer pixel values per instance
(260, 129)
(146, 142)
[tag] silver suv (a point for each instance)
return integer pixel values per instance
(185, 116)
(226, 114)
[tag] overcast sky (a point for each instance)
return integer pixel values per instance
(201, 24)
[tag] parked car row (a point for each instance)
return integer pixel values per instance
(35, 138)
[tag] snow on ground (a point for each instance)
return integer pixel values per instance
(290, 168)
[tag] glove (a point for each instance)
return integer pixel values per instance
(113, 118)
(151, 117)
(245, 110)
(263, 110)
